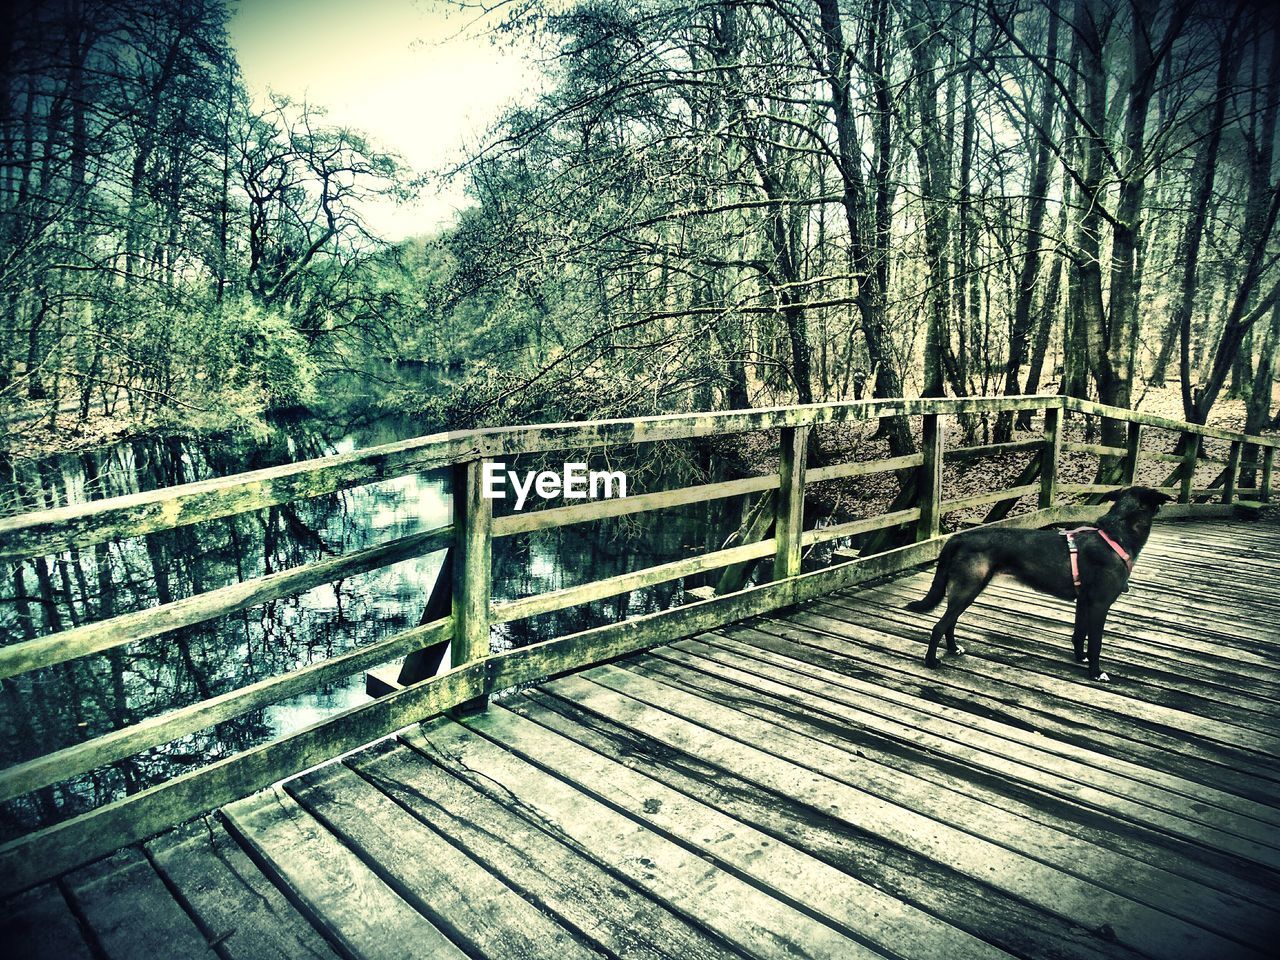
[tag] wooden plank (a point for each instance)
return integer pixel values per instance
(1169, 872)
(853, 527)
(1089, 487)
(725, 904)
(993, 449)
(38, 925)
(921, 817)
(840, 471)
(144, 814)
(154, 731)
(1094, 448)
(46, 853)
(483, 915)
(1004, 921)
(1001, 756)
(1122, 702)
(1050, 457)
(331, 884)
(1132, 455)
(528, 521)
(789, 525)
(1268, 461)
(978, 500)
(1133, 779)
(929, 484)
(131, 912)
(1232, 473)
(1089, 729)
(473, 564)
(129, 627)
(48, 531)
(624, 583)
(780, 870)
(536, 859)
(248, 917)
(1135, 723)
(1189, 467)
(1164, 423)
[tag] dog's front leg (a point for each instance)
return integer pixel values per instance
(1080, 633)
(1095, 618)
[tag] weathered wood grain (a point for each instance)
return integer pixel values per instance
(472, 564)
(717, 898)
(248, 917)
(782, 871)
(483, 915)
(789, 524)
(929, 484)
(535, 858)
(131, 912)
(337, 890)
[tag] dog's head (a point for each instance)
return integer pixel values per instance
(1136, 507)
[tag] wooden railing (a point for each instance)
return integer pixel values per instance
(468, 613)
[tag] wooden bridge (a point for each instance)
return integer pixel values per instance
(765, 771)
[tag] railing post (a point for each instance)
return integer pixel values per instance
(790, 518)
(1049, 456)
(1133, 451)
(1189, 467)
(1233, 472)
(930, 484)
(1268, 460)
(473, 564)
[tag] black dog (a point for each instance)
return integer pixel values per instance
(1042, 559)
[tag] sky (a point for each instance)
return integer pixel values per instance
(418, 76)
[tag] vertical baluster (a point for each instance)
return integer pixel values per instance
(930, 482)
(790, 519)
(1268, 460)
(1133, 452)
(1233, 472)
(1049, 456)
(1189, 467)
(473, 564)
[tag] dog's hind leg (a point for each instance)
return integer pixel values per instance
(966, 583)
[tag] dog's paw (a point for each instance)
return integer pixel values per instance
(932, 662)
(1101, 677)
(958, 651)
(1081, 657)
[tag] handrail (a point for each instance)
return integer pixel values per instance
(475, 671)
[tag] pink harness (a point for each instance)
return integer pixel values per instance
(1075, 551)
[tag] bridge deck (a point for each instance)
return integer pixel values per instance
(794, 786)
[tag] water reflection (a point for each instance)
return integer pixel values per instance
(68, 703)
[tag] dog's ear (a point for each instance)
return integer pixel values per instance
(1151, 499)
(1112, 495)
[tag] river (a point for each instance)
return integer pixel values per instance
(62, 705)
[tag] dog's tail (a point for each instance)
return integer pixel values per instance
(937, 589)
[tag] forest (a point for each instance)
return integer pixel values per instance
(707, 205)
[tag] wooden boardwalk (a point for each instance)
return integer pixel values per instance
(796, 785)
